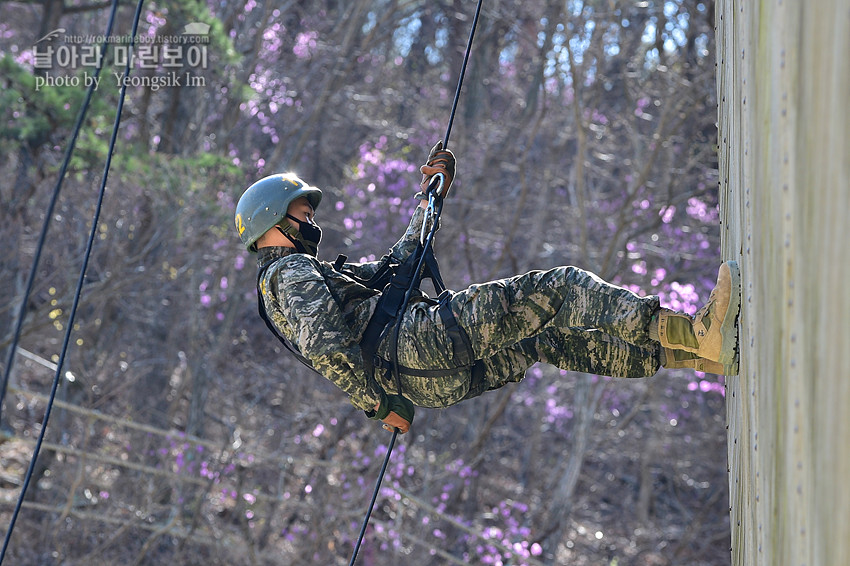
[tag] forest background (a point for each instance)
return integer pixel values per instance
(183, 434)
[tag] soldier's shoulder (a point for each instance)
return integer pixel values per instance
(298, 267)
(295, 262)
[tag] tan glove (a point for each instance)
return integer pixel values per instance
(440, 161)
(394, 411)
(393, 421)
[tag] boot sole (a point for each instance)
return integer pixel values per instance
(729, 326)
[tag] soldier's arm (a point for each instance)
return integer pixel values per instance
(320, 330)
(399, 251)
(410, 239)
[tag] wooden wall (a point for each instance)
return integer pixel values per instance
(784, 140)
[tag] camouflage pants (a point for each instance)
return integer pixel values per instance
(565, 316)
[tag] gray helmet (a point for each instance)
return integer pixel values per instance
(264, 204)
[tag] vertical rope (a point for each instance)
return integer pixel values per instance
(374, 498)
(462, 74)
(79, 290)
(19, 320)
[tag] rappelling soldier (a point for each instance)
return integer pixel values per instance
(463, 343)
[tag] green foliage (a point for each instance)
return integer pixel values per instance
(161, 172)
(29, 118)
(37, 114)
(193, 190)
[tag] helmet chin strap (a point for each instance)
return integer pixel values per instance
(304, 245)
(293, 236)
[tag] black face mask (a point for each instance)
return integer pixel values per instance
(306, 239)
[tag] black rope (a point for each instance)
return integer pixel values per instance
(414, 284)
(374, 498)
(462, 73)
(80, 281)
(19, 322)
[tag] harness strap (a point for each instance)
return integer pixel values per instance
(461, 346)
(378, 280)
(261, 307)
(477, 382)
(387, 310)
(432, 270)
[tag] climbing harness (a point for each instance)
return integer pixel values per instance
(87, 254)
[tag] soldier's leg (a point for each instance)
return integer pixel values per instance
(596, 352)
(582, 351)
(501, 313)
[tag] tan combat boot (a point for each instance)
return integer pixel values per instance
(680, 359)
(712, 334)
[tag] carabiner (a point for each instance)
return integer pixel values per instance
(430, 212)
(436, 185)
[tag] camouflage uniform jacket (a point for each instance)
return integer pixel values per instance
(324, 311)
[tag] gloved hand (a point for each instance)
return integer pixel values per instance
(395, 411)
(439, 161)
